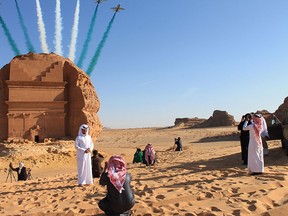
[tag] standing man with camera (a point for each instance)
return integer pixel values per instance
(21, 171)
(244, 137)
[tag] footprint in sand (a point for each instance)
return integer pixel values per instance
(138, 182)
(235, 190)
(216, 188)
(251, 193)
(20, 201)
(252, 208)
(263, 191)
(201, 197)
(156, 210)
(160, 196)
(215, 209)
(209, 195)
(141, 193)
(37, 204)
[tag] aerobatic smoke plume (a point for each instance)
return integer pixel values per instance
(74, 33)
(100, 47)
(9, 37)
(21, 20)
(88, 39)
(58, 28)
(41, 28)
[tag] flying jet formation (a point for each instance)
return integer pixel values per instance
(117, 8)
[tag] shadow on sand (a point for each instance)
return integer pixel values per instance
(228, 166)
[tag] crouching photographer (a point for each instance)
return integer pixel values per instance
(21, 171)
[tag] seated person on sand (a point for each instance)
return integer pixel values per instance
(120, 198)
(150, 154)
(21, 171)
(138, 156)
(96, 160)
(178, 143)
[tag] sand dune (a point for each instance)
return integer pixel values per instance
(207, 178)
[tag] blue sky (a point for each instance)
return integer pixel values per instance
(168, 59)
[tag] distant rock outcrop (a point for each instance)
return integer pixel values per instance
(219, 118)
(222, 118)
(188, 122)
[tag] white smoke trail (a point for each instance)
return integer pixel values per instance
(58, 28)
(74, 33)
(41, 28)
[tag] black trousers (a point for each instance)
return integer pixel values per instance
(244, 140)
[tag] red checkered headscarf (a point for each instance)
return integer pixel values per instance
(117, 172)
(258, 127)
(149, 151)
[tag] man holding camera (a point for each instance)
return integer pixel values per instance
(21, 171)
(244, 137)
(178, 144)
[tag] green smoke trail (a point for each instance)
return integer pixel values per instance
(9, 37)
(100, 47)
(28, 41)
(88, 39)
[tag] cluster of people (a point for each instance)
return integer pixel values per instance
(253, 137)
(147, 156)
(120, 198)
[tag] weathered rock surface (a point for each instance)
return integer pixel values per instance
(46, 96)
(188, 122)
(282, 112)
(219, 118)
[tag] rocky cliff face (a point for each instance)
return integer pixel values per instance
(56, 94)
(219, 118)
(188, 122)
(282, 112)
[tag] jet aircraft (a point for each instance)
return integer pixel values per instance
(99, 1)
(117, 8)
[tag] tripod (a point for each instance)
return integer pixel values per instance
(10, 174)
(29, 175)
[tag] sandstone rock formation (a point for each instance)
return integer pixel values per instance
(282, 112)
(219, 118)
(46, 96)
(267, 115)
(188, 122)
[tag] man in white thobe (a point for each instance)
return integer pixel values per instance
(84, 146)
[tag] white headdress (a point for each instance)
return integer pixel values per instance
(21, 165)
(85, 127)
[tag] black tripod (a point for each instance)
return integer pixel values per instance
(11, 175)
(29, 175)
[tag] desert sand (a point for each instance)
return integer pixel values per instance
(207, 178)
